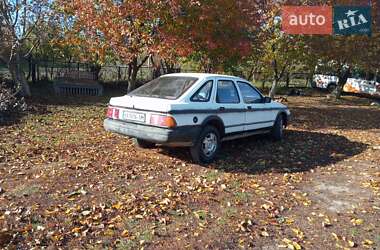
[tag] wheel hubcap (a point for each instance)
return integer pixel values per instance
(209, 144)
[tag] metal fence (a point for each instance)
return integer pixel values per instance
(120, 73)
(50, 70)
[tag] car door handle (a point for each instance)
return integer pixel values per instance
(249, 107)
(222, 108)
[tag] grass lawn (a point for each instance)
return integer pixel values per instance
(66, 183)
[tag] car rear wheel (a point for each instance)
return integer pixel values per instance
(207, 146)
(278, 128)
(143, 143)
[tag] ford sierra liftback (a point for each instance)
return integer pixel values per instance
(197, 111)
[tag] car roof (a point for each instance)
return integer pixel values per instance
(204, 75)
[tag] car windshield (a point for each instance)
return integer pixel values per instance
(167, 87)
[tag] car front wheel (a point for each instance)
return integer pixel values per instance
(207, 146)
(278, 128)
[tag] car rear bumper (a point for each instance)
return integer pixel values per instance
(180, 136)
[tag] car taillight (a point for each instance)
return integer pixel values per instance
(113, 113)
(116, 113)
(163, 121)
(110, 112)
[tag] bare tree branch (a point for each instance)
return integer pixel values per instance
(16, 15)
(32, 48)
(24, 23)
(143, 61)
(4, 12)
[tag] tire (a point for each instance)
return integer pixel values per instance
(207, 146)
(143, 144)
(278, 129)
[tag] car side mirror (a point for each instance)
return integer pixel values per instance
(267, 99)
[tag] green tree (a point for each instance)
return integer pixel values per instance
(280, 52)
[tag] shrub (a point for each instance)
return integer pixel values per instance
(11, 104)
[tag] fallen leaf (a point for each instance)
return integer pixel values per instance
(367, 243)
(117, 206)
(326, 222)
(336, 237)
(76, 230)
(298, 233)
(86, 212)
(351, 243)
(264, 234)
(125, 233)
(357, 222)
(292, 244)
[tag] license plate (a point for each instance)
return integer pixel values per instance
(133, 116)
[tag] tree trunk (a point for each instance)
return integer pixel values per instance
(118, 74)
(272, 92)
(129, 71)
(46, 71)
(134, 68)
(287, 80)
(34, 80)
(18, 76)
(339, 88)
(29, 67)
(208, 68)
(38, 72)
(95, 69)
(133, 75)
(157, 70)
(169, 67)
(52, 70)
(338, 91)
(344, 74)
(310, 79)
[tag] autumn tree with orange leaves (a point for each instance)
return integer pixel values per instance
(215, 33)
(212, 32)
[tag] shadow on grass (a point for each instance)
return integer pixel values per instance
(299, 151)
(336, 117)
(9, 120)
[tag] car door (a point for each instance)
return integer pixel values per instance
(229, 106)
(258, 114)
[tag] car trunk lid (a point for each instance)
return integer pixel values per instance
(143, 110)
(142, 103)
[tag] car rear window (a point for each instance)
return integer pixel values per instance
(167, 87)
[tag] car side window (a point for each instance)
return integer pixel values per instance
(227, 92)
(250, 95)
(204, 93)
